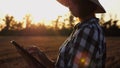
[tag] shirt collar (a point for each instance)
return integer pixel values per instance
(90, 20)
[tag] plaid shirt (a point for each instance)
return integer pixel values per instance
(84, 48)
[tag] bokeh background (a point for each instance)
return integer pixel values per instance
(46, 24)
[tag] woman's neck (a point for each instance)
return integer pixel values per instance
(86, 18)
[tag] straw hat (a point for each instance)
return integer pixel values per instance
(99, 9)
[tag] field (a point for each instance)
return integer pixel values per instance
(9, 58)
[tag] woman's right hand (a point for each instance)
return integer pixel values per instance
(40, 55)
(34, 50)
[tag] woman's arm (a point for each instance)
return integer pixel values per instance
(85, 45)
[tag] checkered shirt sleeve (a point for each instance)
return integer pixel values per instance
(84, 47)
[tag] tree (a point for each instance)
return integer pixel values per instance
(28, 20)
(57, 22)
(71, 20)
(102, 19)
(16, 25)
(8, 19)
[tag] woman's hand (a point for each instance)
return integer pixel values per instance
(35, 51)
(41, 56)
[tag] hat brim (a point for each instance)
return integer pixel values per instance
(63, 2)
(99, 9)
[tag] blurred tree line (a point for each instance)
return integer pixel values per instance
(110, 27)
(60, 26)
(25, 27)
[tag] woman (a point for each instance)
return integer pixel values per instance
(85, 48)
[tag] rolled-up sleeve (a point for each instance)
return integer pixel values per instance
(84, 46)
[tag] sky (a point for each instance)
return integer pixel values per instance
(111, 7)
(47, 9)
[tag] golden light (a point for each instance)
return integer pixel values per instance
(46, 9)
(82, 60)
(39, 9)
